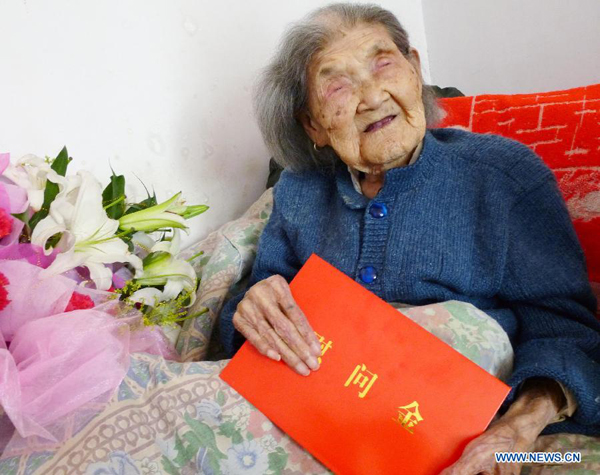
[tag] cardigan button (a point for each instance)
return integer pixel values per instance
(378, 210)
(368, 274)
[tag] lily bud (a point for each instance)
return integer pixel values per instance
(162, 268)
(170, 214)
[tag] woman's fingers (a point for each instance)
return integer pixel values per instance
(271, 320)
(289, 356)
(292, 329)
(294, 314)
(254, 337)
(295, 347)
(268, 342)
(291, 309)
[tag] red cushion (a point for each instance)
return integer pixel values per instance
(562, 127)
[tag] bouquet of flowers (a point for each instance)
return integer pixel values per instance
(86, 278)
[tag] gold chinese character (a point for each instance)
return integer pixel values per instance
(407, 418)
(361, 379)
(324, 346)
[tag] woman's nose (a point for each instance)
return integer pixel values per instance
(372, 97)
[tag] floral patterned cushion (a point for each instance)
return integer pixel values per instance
(224, 266)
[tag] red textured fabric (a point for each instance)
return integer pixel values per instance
(562, 127)
(3, 292)
(79, 302)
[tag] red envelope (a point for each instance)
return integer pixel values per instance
(389, 396)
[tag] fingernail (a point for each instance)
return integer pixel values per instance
(302, 369)
(312, 363)
(273, 355)
(316, 349)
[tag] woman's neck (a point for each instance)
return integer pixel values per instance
(371, 184)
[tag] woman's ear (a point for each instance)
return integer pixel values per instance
(313, 129)
(415, 60)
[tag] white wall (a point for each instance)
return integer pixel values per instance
(513, 46)
(157, 88)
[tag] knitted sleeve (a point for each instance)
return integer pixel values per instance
(274, 256)
(545, 284)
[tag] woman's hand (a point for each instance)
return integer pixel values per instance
(503, 436)
(516, 431)
(271, 320)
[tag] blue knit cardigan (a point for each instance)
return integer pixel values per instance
(478, 218)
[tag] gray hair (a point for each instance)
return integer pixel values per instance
(282, 92)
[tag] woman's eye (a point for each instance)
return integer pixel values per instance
(334, 89)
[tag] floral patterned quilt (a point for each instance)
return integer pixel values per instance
(181, 418)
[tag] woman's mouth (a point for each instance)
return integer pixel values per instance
(380, 123)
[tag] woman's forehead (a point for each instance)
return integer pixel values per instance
(362, 41)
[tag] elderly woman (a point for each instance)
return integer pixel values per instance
(417, 216)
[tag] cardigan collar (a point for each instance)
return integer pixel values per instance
(396, 180)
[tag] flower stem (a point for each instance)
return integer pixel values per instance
(190, 259)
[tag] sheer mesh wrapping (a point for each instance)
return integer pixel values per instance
(59, 364)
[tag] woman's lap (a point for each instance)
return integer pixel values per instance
(182, 418)
(469, 331)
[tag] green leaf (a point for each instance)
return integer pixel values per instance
(221, 398)
(193, 442)
(183, 455)
(277, 460)
(59, 165)
(213, 460)
(249, 436)
(237, 438)
(169, 467)
(227, 429)
(205, 434)
(113, 197)
(21, 216)
(178, 443)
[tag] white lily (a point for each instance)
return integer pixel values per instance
(31, 173)
(143, 244)
(147, 296)
(88, 234)
(172, 246)
(162, 267)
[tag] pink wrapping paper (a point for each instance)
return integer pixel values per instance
(31, 297)
(54, 364)
(59, 363)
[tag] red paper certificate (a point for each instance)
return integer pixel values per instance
(389, 396)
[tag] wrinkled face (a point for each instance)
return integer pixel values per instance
(365, 100)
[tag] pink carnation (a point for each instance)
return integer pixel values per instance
(6, 221)
(79, 302)
(3, 292)
(13, 200)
